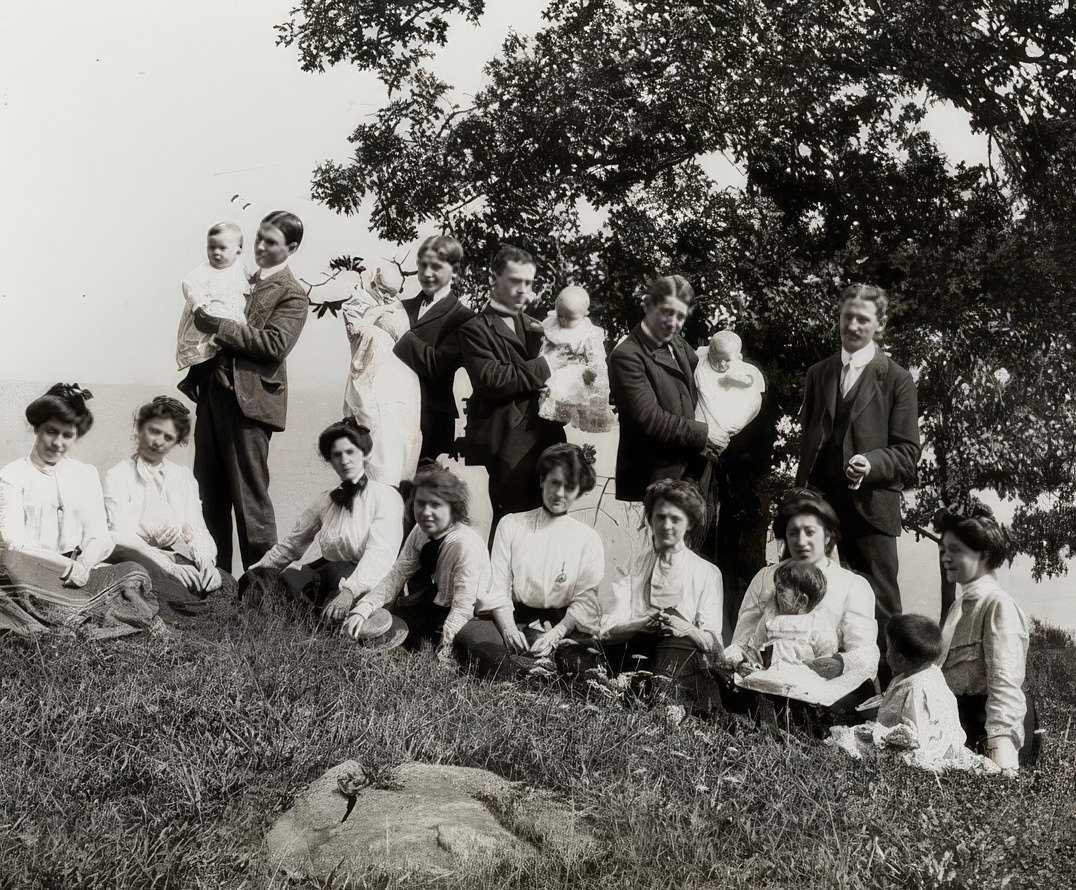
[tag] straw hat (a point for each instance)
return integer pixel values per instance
(382, 631)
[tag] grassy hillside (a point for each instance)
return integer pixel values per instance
(162, 762)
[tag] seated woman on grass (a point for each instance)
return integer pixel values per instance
(54, 535)
(668, 610)
(984, 642)
(810, 530)
(358, 525)
(546, 568)
(155, 514)
(437, 578)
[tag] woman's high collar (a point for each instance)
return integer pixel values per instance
(988, 583)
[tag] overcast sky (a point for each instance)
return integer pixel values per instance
(125, 129)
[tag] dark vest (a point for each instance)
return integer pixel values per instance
(829, 468)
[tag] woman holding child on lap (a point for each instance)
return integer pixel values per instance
(154, 511)
(54, 535)
(834, 634)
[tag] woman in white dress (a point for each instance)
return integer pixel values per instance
(358, 526)
(546, 568)
(155, 514)
(984, 642)
(55, 538)
(382, 393)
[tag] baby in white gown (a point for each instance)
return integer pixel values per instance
(577, 393)
(382, 393)
(730, 389)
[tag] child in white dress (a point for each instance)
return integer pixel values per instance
(793, 629)
(918, 715)
(730, 389)
(577, 393)
(220, 286)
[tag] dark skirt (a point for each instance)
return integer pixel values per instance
(665, 668)
(315, 584)
(174, 597)
(116, 600)
(480, 645)
(972, 709)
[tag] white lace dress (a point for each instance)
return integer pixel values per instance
(578, 393)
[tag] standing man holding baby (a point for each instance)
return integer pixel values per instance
(651, 379)
(244, 400)
(861, 445)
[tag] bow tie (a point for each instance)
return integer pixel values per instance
(427, 299)
(344, 494)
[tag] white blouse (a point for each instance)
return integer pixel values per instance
(847, 608)
(461, 574)
(546, 562)
(58, 508)
(687, 583)
(159, 504)
(985, 640)
(369, 534)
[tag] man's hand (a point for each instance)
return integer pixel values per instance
(206, 323)
(857, 470)
(76, 575)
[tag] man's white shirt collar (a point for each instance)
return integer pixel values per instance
(262, 274)
(424, 307)
(861, 357)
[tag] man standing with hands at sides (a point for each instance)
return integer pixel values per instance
(652, 383)
(245, 397)
(861, 446)
(501, 354)
(432, 348)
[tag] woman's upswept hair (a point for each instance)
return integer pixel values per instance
(678, 492)
(67, 403)
(166, 408)
(348, 428)
(576, 463)
(977, 529)
(806, 501)
(446, 486)
(916, 637)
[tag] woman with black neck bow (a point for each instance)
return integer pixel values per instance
(358, 524)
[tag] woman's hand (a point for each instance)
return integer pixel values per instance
(827, 667)
(353, 625)
(165, 536)
(188, 576)
(547, 642)
(514, 640)
(210, 579)
(339, 606)
(76, 575)
(674, 624)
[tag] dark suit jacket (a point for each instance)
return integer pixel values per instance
(506, 376)
(432, 350)
(884, 428)
(659, 435)
(276, 313)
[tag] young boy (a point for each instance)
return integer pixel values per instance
(730, 389)
(431, 348)
(789, 632)
(578, 393)
(220, 287)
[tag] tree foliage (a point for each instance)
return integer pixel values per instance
(593, 144)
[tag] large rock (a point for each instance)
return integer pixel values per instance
(427, 818)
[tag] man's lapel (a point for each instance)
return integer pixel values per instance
(870, 383)
(436, 311)
(831, 379)
(503, 330)
(411, 307)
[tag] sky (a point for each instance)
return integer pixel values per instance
(127, 127)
